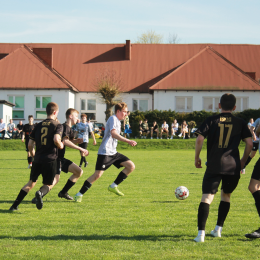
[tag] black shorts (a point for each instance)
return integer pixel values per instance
(256, 171)
(105, 161)
(83, 145)
(211, 182)
(63, 165)
(255, 146)
(26, 144)
(48, 171)
(164, 131)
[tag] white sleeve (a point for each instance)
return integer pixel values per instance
(111, 123)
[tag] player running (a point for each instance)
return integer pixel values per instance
(27, 129)
(224, 133)
(107, 154)
(47, 136)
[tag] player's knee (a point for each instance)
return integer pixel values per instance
(251, 188)
(131, 166)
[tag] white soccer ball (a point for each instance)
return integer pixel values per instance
(181, 193)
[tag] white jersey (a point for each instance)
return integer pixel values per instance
(165, 126)
(255, 125)
(83, 130)
(175, 126)
(109, 144)
(11, 127)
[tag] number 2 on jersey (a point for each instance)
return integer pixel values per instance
(221, 135)
(44, 132)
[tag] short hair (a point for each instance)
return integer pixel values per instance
(70, 111)
(51, 107)
(227, 101)
(30, 116)
(84, 115)
(145, 120)
(120, 106)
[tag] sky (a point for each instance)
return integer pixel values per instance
(113, 21)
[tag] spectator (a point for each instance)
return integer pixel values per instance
(2, 128)
(154, 128)
(145, 129)
(11, 129)
(174, 128)
(141, 128)
(184, 129)
(165, 129)
(19, 129)
(250, 123)
(127, 125)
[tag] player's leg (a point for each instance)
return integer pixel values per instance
(151, 132)
(157, 132)
(251, 156)
(29, 156)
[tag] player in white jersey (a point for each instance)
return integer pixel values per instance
(107, 154)
(84, 129)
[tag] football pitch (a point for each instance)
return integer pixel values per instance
(147, 223)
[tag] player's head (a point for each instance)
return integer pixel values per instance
(251, 121)
(228, 102)
(121, 110)
(20, 122)
(72, 114)
(1, 120)
(52, 109)
(184, 122)
(11, 121)
(154, 122)
(145, 120)
(30, 119)
(175, 121)
(84, 118)
(164, 122)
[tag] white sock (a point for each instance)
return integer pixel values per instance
(79, 194)
(201, 233)
(218, 228)
(173, 134)
(113, 185)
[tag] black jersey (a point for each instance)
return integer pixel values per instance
(43, 135)
(27, 129)
(20, 127)
(224, 133)
(66, 133)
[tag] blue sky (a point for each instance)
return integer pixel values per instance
(114, 21)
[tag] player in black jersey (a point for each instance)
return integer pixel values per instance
(64, 164)
(27, 129)
(224, 133)
(47, 137)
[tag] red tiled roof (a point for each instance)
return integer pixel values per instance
(81, 63)
(23, 69)
(207, 70)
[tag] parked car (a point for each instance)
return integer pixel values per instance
(99, 128)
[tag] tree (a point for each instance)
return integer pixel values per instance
(150, 37)
(109, 85)
(173, 38)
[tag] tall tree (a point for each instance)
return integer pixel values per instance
(109, 85)
(150, 37)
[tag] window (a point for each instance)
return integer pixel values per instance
(241, 104)
(91, 104)
(140, 104)
(83, 104)
(183, 104)
(88, 107)
(40, 104)
(18, 110)
(211, 103)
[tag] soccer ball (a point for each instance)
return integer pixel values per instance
(181, 193)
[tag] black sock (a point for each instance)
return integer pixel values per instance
(67, 186)
(256, 196)
(121, 177)
(81, 160)
(44, 190)
(19, 198)
(30, 160)
(248, 161)
(85, 187)
(203, 213)
(223, 210)
(84, 159)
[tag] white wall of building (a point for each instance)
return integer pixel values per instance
(6, 113)
(71, 97)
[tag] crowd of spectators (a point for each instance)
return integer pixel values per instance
(11, 130)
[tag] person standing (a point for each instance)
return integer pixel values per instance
(224, 133)
(107, 154)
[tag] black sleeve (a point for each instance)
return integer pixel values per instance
(245, 133)
(59, 130)
(203, 129)
(32, 134)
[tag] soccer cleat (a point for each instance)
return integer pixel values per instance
(243, 171)
(39, 202)
(115, 190)
(65, 196)
(161, 137)
(78, 198)
(199, 239)
(86, 164)
(28, 166)
(255, 234)
(167, 137)
(215, 233)
(13, 208)
(34, 200)
(157, 137)
(180, 135)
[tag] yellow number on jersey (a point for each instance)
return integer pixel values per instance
(44, 132)
(221, 135)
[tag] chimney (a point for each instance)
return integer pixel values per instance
(128, 50)
(44, 54)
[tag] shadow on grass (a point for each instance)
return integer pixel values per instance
(165, 201)
(12, 201)
(6, 159)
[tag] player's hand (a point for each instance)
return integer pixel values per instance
(132, 143)
(198, 163)
(80, 140)
(85, 152)
(94, 142)
(22, 140)
(61, 146)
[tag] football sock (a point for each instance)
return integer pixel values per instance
(67, 186)
(81, 160)
(113, 185)
(121, 177)
(218, 228)
(29, 160)
(247, 161)
(203, 213)
(85, 187)
(201, 233)
(256, 196)
(44, 190)
(19, 198)
(222, 212)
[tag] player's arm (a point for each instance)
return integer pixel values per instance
(31, 146)
(198, 147)
(248, 149)
(122, 139)
(257, 131)
(70, 144)
(94, 139)
(58, 142)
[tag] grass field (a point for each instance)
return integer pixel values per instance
(147, 223)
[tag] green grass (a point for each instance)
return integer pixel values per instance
(147, 223)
